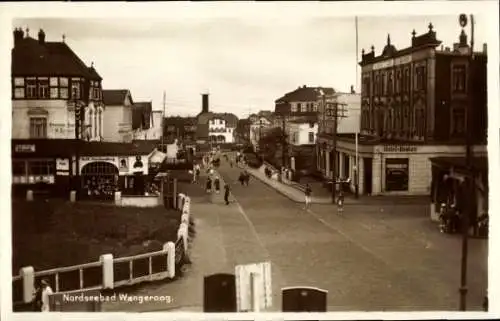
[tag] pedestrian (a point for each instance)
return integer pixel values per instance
(242, 178)
(209, 185)
(247, 178)
(307, 194)
(340, 203)
(46, 292)
(226, 193)
(217, 185)
(37, 298)
(197, 172)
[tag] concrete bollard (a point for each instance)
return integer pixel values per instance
(28, 276)
(108, 281)
(72, 196)
(118, 198)
(29, 195)
(170, 248)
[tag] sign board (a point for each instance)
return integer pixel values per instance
(400, 149)
(25, 148)
(98, 158)
(253, 287)
(219, 293)
(62, 164)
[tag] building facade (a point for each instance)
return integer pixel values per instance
(259, 125)
(48, 78)
(348, 106)
(215, 127)
(300, 133)
(118, 115)
(142, 119)
(413, 110)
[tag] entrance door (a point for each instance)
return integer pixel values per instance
(99, 180)
(367, 162)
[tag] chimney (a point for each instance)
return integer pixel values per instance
(204, 103)
(41, 37)
(485, 48)
(18, 36)
(352, 90)
(304, 86)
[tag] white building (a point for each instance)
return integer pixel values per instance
(301, 133)
(155, 131)
(259, 125)
(221, 129)
(118, 115)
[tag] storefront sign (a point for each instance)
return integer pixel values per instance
(392, 62)
(62, 164)
(396, 174)
(98, 158)
(25, 148)
(400, 149)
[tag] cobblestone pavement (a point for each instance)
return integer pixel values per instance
(379, 257)
(382, 256)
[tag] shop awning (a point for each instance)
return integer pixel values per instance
(157, 157)
(459, 163)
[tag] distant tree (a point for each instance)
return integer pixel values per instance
(271, 141)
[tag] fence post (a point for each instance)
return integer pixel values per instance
(174, 192)
(28, 276)
(170, 248)
(108, 279)
(72, 196)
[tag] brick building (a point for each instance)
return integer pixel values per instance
(413, 104)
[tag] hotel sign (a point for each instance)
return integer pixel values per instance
(25, 148)
(400, 149)
(98, 158)
(392, 62)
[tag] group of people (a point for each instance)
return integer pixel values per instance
(244, 178)
(451, 221)
(41, 297)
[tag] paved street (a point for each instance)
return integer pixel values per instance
(377, 257)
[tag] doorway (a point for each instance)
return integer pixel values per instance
(368, 177)
(99, 180)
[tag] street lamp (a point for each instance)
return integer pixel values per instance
(467, 211)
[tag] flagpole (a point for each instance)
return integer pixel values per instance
(356, 138)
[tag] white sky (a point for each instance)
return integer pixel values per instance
(245, 63)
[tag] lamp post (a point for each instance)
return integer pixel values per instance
(469, 182)
(78, 120)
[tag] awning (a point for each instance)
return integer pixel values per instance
(157, 157)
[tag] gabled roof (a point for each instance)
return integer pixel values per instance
(180, 121)
(31, 57)
(230, 119)
(115, 97)
(305, 93)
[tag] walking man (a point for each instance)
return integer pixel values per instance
(226, 193)
(209, 185)
(307, 194)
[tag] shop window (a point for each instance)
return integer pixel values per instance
(54, 92)
(41, 168)
(396, 174)
(64, 93)
(38, 127)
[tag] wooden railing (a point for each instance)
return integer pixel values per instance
(109, 272)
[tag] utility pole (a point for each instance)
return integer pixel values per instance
(470, 180)
(334, 112)
(163, 122)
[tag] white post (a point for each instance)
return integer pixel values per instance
(254, 292)
(185, 218)
(107, 271)
(170, 248)
(29, 195)
(28, 276)
(72, 196)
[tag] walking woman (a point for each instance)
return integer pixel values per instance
(226, 193)
(209, 185)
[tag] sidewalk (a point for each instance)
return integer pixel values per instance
(297, 196)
